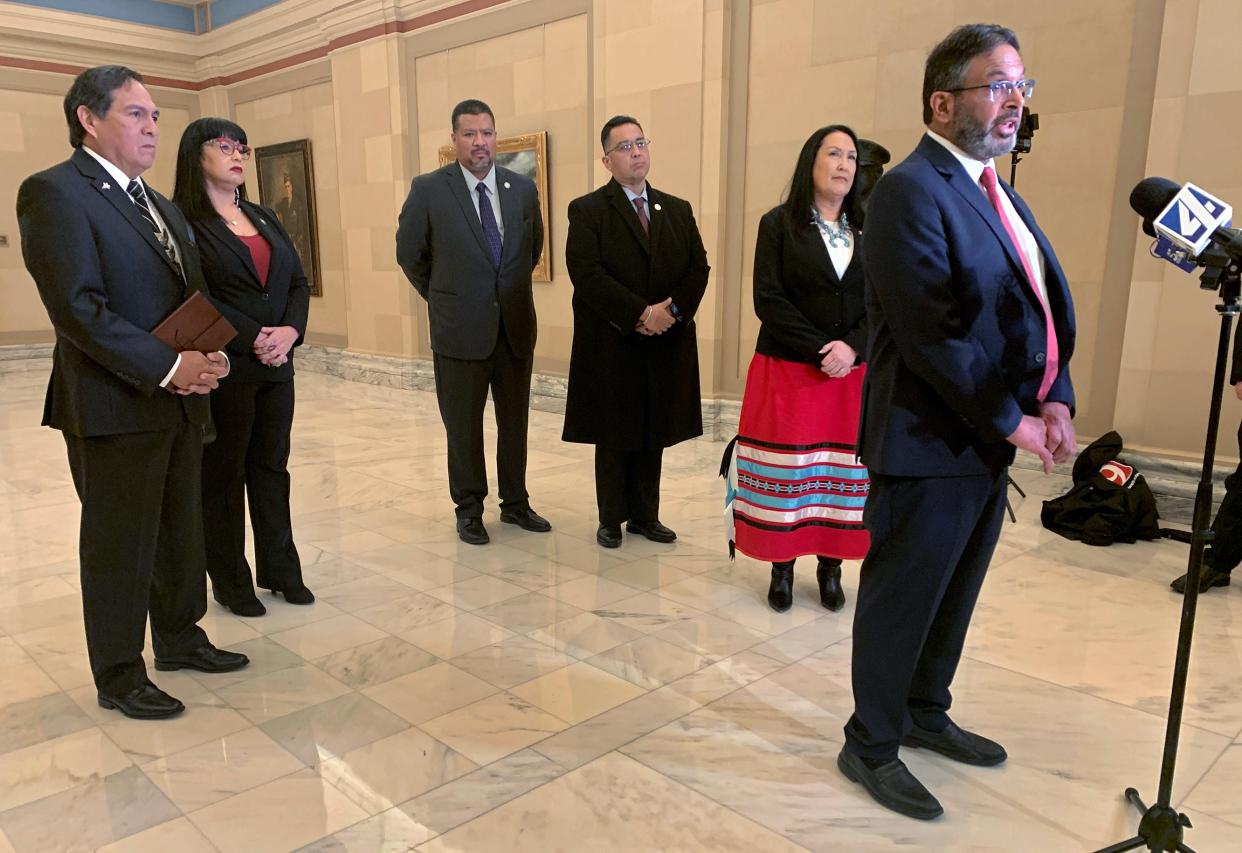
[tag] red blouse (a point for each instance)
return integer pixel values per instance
(260, 253)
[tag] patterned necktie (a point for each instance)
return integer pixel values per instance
(641, 209)
(139, 195)
(487, 218)
(988, 179)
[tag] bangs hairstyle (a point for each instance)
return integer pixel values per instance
(801, 193)
(190, 189)
(947, 63)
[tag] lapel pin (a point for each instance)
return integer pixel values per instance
(106, 186)
(506, 185)
(656, 205)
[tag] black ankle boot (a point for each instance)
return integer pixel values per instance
(829, 575)
(780, 593)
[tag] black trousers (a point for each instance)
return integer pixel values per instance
(461, 390)
(140, 547)
(931, 541)
(1225, 551)
(627, 484)
(249, 460)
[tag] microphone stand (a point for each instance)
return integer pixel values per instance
(1026, 131)
(1161, 827)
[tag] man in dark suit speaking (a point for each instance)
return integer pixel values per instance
(112, 258)
(468, 238)
(972, 329)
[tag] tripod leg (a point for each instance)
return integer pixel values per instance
(1130, 844)
(1013, 519)
(1182, 848)
(1016, 487)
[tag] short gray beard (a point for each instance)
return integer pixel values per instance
(973, 138)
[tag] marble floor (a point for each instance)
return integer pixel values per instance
(543, 694)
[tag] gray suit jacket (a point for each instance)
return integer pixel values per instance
(441, 248)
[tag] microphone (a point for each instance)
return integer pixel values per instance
(1185, 218)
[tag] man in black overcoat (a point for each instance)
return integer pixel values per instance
(639, 270)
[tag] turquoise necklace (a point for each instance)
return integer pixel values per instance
(836, 233)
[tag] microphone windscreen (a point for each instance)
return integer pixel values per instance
(1150, 196)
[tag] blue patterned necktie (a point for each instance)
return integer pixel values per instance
(487, 218)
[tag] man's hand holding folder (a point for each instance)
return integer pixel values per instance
(197, 331)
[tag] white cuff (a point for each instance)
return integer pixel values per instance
(169, 377)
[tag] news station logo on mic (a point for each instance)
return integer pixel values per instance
(1191, 218)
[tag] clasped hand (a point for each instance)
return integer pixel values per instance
(1050, 435)
(838, 358)
(273, 343)
(658, 319)
(199, 373)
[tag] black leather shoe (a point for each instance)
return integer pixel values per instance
(892, 785)
(653, 530)
(609, 535)
(206, 658)
(1208, 578)
(472, 532)
(253, 607)
(294, 594)
(958, 744)
(527, 519)
(147, 702)
(780, 592)
(828, 573)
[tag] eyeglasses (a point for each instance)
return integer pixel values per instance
(228, 146)
(627, 146)
(1004, 88)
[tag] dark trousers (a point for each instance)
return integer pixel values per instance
(140, 548)
(1225, 551)
(461, 390)
(249, 460)
(931, 541)
(627, 484)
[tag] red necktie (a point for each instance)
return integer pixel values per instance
(988, 179)
(642, 214)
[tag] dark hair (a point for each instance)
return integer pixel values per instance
(190, 189)
(471, 107)
(801, 194)
(93, 89)
(948, 61)
(615, 121)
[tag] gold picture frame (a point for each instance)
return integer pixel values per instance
(527, 155)
(287, 185)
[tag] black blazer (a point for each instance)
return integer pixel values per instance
(630, 391)
(958, 337)
(799, 298)
(441, 248)
(106, 282)
(235, 288)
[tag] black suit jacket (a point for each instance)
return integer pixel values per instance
(629, 391)
(106, 282)
(244, 300)
(957, 346)
(799, 298)
(441, 248)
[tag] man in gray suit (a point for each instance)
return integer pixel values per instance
(468, 237)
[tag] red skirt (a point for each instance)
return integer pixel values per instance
(800, 485)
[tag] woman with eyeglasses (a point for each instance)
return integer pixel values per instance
(800, 488)
(256, 279)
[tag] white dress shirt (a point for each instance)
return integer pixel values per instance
(489, 181)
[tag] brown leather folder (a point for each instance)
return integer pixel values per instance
(196, 326)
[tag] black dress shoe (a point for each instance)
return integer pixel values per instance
(892, 785)
(146, 702)
(653, 530)
(206, 658)
(527, 519)
(1208, 578)
(472, 532)
(293, 594)
(780, 592)
(609, 535)
(253, 607)
(958, 744)
(828, 573)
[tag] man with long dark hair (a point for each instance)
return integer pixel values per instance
(972, 329)
(112, 258)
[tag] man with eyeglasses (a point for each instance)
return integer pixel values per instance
(972, 329)
(639, 270)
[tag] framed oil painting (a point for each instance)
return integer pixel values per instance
(287, 185)
(527, 155)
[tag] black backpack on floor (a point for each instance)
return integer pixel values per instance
(1109, 502)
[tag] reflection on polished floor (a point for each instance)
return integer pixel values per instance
(543, 694)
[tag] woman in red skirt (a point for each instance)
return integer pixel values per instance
(800, 486)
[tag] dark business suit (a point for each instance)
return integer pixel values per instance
(135, 449)
(253, 411)
(956, 357)
(632, 395)
(482, 320)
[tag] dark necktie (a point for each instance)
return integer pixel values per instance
(641, 209)
(139, 195)
(487, 218)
